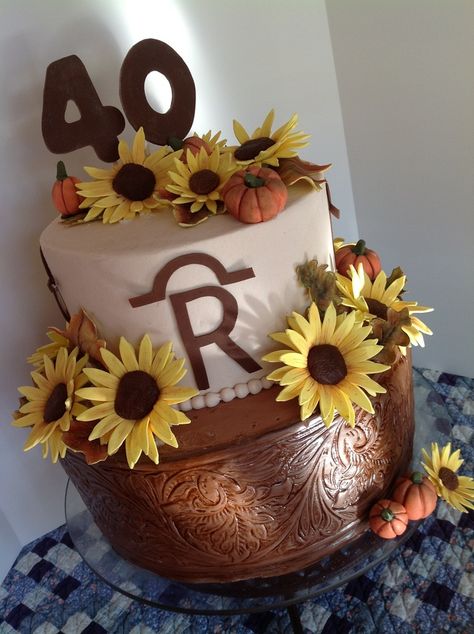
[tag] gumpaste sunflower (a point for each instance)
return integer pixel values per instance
(131, 186)
(263, 146)
(373, 299)
(135, 397)
(51, 405)
(327, 364)
(51, 350)
(199, 181)
(441, 468)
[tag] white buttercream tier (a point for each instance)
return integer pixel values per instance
(101, 267)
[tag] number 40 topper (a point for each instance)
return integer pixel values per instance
(99, 126)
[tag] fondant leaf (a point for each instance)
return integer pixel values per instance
(320, 283)
(185, 218)
(293, 170)
(390, 334)
(82, 332)
(77, 439)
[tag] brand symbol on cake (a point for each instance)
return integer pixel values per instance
(220, 335)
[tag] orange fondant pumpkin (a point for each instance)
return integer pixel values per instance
(356, 254)
(256, 194)
(191, 143)
(194, 144)
(388, 519)
(64, 194)
(417, 494)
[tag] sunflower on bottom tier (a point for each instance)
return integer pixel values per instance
(51, 405)
(327, 364)
(135, 397)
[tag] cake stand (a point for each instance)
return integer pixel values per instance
(254, 595)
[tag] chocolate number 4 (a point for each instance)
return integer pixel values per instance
(99, 126)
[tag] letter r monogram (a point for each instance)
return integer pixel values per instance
(221, 335)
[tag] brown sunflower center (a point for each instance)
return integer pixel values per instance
(204, 182)
(377, 308)
(251, 148)
(137, 392)
(134, 182)
(448, 478)
(56, 403)
(326, 364)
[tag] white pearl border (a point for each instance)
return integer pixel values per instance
(227, 394)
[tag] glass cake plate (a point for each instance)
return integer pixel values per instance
(253, 595)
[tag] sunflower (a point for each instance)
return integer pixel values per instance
(199, 181)
(441, 467)
(263, 146)
(131, 186)
(58, 341)
(327, 364)
(135, 397)
(50, 405)
(373, 299)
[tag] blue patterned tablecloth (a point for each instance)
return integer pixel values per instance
(426, 586)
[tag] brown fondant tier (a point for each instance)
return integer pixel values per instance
(254, 503)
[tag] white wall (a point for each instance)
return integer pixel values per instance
(246, 57)
(405, 75)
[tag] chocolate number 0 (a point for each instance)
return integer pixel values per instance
(99, 126)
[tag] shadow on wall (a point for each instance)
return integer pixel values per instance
(32, 490)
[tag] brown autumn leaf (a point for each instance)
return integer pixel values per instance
(77, 439)
(294, 170)
(390, 334)
(82, 332)
(320, 283)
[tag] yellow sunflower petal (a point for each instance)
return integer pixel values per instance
(118, 435)
(98, 411)
(114, 365)
(106, 425)
(102, 378)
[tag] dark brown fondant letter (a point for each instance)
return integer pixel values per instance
(220, 336)
(193, 343)
(99, 126)
(143, 58)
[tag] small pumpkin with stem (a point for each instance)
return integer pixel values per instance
(256, 194)
(355, 254)
(388, 519)
(417, 494)
(64, 194)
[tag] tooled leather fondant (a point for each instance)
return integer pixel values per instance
(263, 504)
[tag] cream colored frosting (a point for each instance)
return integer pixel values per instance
(100, 267)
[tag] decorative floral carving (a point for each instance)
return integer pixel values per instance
(280, 503)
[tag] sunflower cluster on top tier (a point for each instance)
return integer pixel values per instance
(188, 175)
